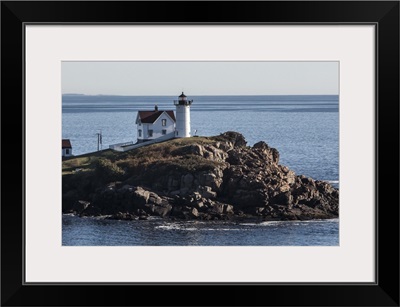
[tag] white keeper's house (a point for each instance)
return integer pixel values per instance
(154, 124)
(158, 123)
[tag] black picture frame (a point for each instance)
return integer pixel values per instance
(383, 14)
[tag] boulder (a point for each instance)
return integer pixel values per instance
(140, 196)
(207, 192)
(162, 210)
(235, 138)
(194, 212)
(80, 206)
(228, 209)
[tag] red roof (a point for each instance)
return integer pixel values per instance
(66, 143)
(149, 117)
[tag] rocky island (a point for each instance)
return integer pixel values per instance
(205, 178)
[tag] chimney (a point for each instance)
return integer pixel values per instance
(156, 108)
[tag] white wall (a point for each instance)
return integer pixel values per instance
(64, 152)
(182, 121)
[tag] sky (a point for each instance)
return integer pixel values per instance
(200, 78)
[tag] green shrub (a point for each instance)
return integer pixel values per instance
(108, 171)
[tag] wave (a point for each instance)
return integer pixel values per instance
(68, 214)
(169, 227)
(182, 227)
(332, 181)
(239, 226)
(294, 222)
(266, 223)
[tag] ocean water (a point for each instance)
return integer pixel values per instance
(90, 231)
(304, 129)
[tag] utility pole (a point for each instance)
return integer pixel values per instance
(99, 140)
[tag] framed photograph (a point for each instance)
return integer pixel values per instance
(206, 146)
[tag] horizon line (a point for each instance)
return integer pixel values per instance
(152, 95)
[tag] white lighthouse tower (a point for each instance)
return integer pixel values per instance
(182, 129)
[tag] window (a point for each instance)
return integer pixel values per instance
(164, 122)
(140, 132)
(150, 133)
(164, 131)
(67, 151)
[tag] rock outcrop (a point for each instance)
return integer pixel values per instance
(204, 178)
